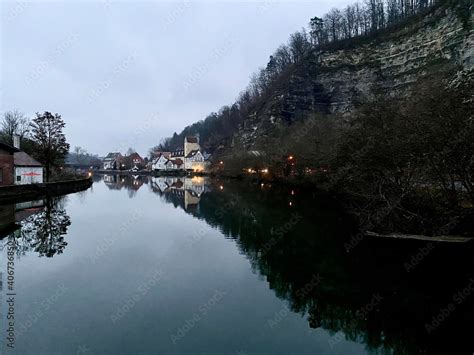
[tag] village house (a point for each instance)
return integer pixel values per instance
(113, 161)
(136, 160)
(27, 169)
(17, 167)
(174, 164)
(188, 158)
(177, 154)
(194, 161)
(159, 163)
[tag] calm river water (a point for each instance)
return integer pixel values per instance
(139, 265)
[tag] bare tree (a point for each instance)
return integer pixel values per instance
(47, 133)
(14, 122)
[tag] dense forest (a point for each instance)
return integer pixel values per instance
(351, 26)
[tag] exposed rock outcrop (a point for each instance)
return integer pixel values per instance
(331, 80)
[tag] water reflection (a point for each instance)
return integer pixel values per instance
(183, 192)
(386, 294)
(130, 183)
(36, 226)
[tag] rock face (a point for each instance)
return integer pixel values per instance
(331, 80)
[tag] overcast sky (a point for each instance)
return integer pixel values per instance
(126, 74)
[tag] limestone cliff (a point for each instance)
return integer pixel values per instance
(332, 79)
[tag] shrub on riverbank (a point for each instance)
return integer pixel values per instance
(411, 157)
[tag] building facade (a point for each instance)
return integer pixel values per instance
(112, 161)
(190, 157)
(27, 169)
(7, 164)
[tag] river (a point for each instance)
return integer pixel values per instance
(141, 265)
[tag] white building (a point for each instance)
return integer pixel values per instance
(112, 161)
(189, 158)
(27, 169)
(160, 163)
(195, 161)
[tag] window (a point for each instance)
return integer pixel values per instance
(18, 178)
(1, 175)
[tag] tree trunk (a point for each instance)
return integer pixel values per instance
(48, 173)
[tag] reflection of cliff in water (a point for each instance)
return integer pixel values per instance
(375, 291)
(38, 226)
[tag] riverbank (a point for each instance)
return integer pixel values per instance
(414, 218)
(21, 193)
(170, 173)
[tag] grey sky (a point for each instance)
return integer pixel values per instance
(130, 73)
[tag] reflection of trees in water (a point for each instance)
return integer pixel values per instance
(289, 255)
(131, 183)
(44, 231)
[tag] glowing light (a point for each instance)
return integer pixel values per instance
(290, 157)
(221, 187)
(292, 192)
(290, 204)
(262, 184)
(89, 174)
(249, 170)
(265, 171)
(221, 162)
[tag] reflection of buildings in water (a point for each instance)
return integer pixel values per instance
(27, 209)
(137, 182)
(158, 184)
(128, 182)
(196, 185)
(191, 201)
(185, 192)
(112, 182)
